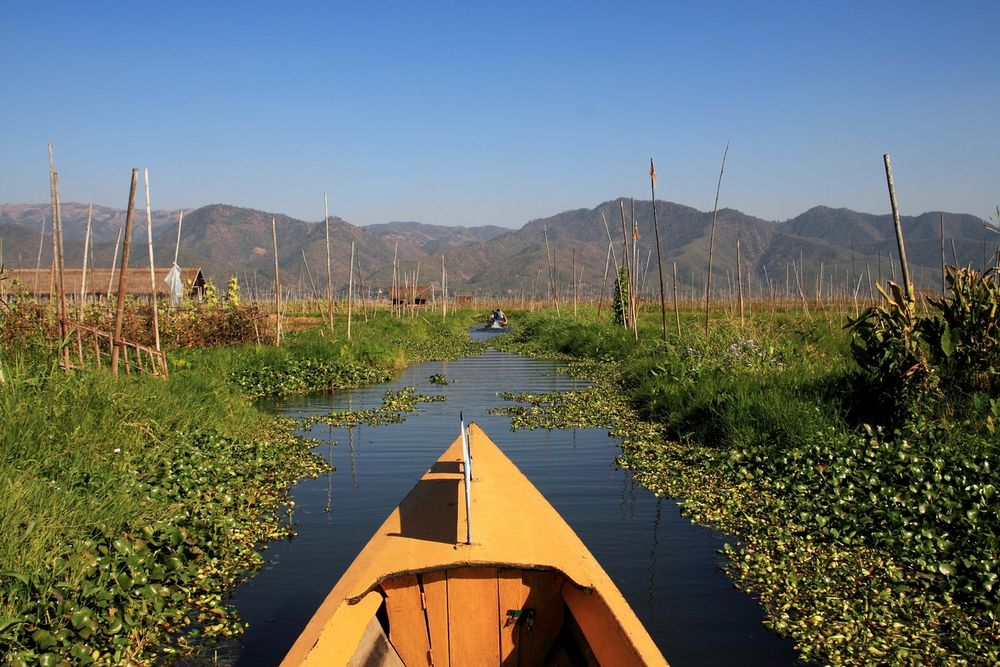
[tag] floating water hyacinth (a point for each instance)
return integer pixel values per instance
(394, 403)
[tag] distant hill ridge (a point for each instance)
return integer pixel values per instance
(837, 243)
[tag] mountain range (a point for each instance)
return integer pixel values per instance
(838, 246)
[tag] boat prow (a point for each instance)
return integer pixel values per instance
(524, 590)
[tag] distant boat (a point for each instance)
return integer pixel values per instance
(496, 320)
(509, 583)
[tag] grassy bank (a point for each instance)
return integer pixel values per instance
(866, 542)
(129, 507)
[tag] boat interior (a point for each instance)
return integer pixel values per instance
(490, 616)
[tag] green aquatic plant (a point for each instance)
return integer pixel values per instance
(394, 404)
(864, 546)
(109, 596)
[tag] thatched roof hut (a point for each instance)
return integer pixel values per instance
(40, 283)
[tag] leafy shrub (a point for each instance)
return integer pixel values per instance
(966, 344)
(934, 366)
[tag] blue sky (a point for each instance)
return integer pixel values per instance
(499, 112)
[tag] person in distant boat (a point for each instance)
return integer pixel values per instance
(499, 317)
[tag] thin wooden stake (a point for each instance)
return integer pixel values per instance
(604, 285)
(395, 282)
(86, 244)
(117, 345)
(114, 260)
(711, 242)
(941, 227)
(152, 267)
(677, 312)
(329, 265)
(626, 304)
(739, 278)
(548, 260)
(904, 266)
(60, 270)
(361, 289)
(177, 245)
(574, 280)
(38, 264)
(277, 285)
(350, 293)
(659, 256)
(614, 258)
(444, 292)
(312, 282)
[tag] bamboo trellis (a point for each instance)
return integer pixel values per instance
(144, 359)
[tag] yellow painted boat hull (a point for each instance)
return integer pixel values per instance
(524, 592)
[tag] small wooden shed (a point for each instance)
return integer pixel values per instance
(101, 282)
(412, 294)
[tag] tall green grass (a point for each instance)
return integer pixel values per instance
(107, 482)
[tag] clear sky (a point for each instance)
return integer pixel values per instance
(500, 112)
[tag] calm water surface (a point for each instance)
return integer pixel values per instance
(667, 568)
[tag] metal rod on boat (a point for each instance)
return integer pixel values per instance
(467, 460)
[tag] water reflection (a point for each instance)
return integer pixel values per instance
(652, 552)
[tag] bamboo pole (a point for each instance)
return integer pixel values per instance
(444, 292)
(312, 282)
(802, 294)
(604, 285)
(626, 254)
(711, 242)
(55, 226)
(395, 281)
(941, 228)
(614, 258)
(38, 264)
(634, 291)
(277, 285)
(739, 279)
(329, 265)
(53, 188)
(416, 277)
(350, 293)
(904, 266)
(677, 312)
(659, 256)
(114, 260)
(59, 265)
(361, 289)
(177, 245)
(645, 272)
(152, 266)
(86, 245)
(117, 345)
(574, 280)
(548, 260)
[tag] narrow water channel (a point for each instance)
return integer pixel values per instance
(666, 568)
